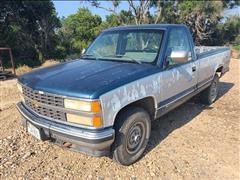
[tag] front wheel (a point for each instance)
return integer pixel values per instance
(132, 134)
(209, 95)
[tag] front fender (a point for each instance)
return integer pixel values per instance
(113, 101)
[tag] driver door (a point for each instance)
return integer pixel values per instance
(178, 79)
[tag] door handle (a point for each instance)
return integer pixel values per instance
(194, 68)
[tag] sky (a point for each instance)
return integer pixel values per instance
(65, 8)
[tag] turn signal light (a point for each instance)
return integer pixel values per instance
(95, 121)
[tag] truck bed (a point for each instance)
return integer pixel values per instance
(199, 50)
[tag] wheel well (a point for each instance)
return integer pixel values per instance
(219, 70)
(146, 103)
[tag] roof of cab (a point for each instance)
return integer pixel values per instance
(145, 26)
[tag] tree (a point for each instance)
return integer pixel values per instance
(139, 10)
(78, 30)
(29, 29)
(229, 32)
(113, 9)
(46, 23)
(15, 30)
(123, 18)
(202, 17)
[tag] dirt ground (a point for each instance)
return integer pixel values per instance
(192, 142)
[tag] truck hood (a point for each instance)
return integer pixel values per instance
(85, 78)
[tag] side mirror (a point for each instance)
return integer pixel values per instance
(179, 56)
(83, 50)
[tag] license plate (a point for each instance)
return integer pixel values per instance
(33, 131)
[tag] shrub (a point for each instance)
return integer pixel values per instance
(237, 48)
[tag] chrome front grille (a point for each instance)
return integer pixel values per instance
(42, 98)
(44, 104)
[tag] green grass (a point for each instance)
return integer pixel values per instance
(236, 47)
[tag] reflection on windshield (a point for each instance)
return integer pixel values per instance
(126, 45)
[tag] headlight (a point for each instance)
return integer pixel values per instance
(95, 121)
(88, 106)
(19, 87)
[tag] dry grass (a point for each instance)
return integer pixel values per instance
(49, 63)
(23, 69)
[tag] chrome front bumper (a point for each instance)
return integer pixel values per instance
(90, 141)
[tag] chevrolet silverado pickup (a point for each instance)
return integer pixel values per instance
(103, 103)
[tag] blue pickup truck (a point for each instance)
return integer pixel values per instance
(104, 102)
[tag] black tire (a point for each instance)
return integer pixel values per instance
(209, 95)
(133, 128)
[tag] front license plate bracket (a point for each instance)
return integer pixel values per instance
(34, 131)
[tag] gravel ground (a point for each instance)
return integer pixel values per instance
(192, 142)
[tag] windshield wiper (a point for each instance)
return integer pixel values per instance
(132, 59)
(120, 56)
(89, 55)
(117, 56)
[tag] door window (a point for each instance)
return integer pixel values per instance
(178, 41)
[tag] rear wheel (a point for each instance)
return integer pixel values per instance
(132, 134)
(209, 95)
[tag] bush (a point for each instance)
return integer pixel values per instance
(228, 32)
(237, 48)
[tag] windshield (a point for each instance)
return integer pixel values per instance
(126, 45)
